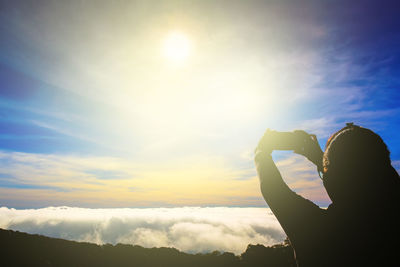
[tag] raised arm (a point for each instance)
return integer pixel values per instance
(274, 190)
(295, 214)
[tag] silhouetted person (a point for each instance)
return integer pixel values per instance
(361, 226)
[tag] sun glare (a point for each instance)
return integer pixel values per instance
(177, 47)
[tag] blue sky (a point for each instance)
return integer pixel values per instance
(93, 115)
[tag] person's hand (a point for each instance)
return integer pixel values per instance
(264, 145)
(309, 147)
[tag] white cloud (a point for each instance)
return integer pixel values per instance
(189, 229)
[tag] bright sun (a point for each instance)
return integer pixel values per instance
(177, 47)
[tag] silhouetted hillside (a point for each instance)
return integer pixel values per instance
(21, 249)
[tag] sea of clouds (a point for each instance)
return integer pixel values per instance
(189, 229)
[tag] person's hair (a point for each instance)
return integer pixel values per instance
(357, 166)
(357, 147)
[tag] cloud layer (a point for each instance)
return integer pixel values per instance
(189, 229)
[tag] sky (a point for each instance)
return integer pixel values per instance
(100, 109)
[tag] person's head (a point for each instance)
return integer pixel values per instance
(356, 163)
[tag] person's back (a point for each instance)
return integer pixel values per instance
(360, 227)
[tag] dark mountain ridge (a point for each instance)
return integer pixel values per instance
(22, 249)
